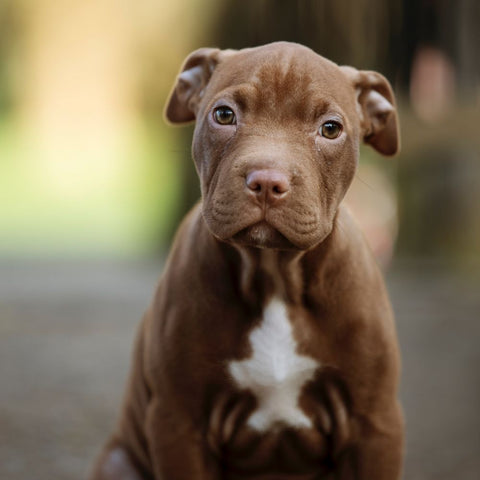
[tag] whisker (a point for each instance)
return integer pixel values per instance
(364, 182)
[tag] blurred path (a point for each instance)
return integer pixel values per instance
(65, 336)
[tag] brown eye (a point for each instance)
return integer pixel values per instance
(331, 130)
(224, 116)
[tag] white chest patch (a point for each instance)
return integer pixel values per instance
(275, 372)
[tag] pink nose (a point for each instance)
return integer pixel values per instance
(267, 185)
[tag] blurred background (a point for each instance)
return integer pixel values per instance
(93, 184)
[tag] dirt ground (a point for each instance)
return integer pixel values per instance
(66, 332)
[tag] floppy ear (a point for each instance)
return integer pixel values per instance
(190, 85)
(376, 105)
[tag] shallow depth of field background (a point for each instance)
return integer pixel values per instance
(93, 184)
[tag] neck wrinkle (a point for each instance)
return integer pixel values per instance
(270, 273)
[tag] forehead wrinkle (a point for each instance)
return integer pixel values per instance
(286, 89)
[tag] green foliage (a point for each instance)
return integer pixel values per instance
(47, 209)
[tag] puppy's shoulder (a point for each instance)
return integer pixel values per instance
(344, 265)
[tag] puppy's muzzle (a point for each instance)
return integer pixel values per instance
(267, 187)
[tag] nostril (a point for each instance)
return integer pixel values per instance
(254, 181)
(255, 186)
(279, 188)
(278, 183)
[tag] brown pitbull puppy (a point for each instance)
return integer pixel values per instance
(269, 350)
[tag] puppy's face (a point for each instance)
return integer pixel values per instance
(277, 138)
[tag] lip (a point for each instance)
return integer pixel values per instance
(262, 235)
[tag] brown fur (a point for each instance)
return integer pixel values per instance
(183, 416)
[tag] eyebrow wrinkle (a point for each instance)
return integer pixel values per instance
(240, 98)
(246, 95)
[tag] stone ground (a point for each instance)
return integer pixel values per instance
(65, 336)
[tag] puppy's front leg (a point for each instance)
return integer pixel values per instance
(114, 463)
(378, 453)
(177, 448)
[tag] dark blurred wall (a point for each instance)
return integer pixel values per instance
(365, 32)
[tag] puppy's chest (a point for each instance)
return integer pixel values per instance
(275, 372)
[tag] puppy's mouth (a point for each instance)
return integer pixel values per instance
(262, 235)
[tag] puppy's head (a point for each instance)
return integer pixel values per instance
(277, 137)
